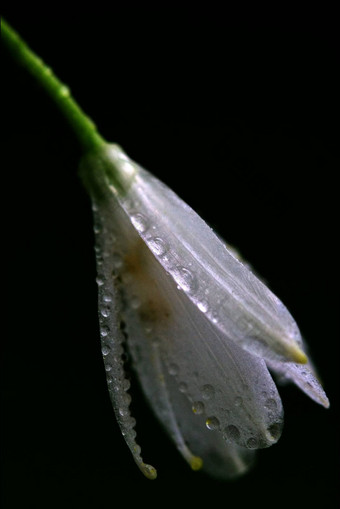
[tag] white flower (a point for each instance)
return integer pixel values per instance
(201, 328)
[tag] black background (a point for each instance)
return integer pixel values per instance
(237, 112)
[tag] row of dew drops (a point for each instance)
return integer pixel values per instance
(183, 276)
(187, 282)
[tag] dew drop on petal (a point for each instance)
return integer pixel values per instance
(104, 331)
(271, 404)
(157, 246)
(232, 433)
(105, 350)
(183, 387)
(198, 407)
(139, 222)
(212, 423)
(251, 443)
(185, 279)
(105, 312)
(123, 412)
(99, 281)
(203, 306)
(275, 430)
(127, 398)
(208, 391)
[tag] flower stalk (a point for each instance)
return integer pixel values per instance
(83, 127)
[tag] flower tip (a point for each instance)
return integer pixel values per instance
(324, 401)
(297, 355)
(149, 471)
(196, 463)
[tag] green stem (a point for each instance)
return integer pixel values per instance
(82, 125)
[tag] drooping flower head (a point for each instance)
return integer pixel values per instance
(201, 328)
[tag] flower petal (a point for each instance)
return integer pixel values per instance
(200, 447)
(231, 296)
(231, 387)
(111, 341)
(221, 458)
(304, 376)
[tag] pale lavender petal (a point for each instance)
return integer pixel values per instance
(232, 297)
(243, 403)
(304, 376)
(112, 339)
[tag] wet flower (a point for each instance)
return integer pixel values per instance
(201, 328)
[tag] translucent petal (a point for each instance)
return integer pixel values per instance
(221, 458)
(231, 388)
(112, 339)
(231, 296)
(200, 447)
(304, 376)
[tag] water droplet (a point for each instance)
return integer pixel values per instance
(183, 387)
(203, 306)
(108, 368)
(96, 228)
(127, 398)
(105, 350)
(233, 433)
(157, 246)
(198, 407)
(185, 279)
(123, 411)
(275, 430)
(104, 331)
(139, 222)
(137, 449)
(105, 312)
(208, 392)
(173, 369)
(251, 443)
(212, 423)
(271, 404)
(107, 298)
(214, 317)
(100, 281)
(128, 168)
(238, 401)
(122, 156)
(64, 91)
(126, 384)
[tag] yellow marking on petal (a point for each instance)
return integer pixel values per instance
(297, 355)
(196, 463)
